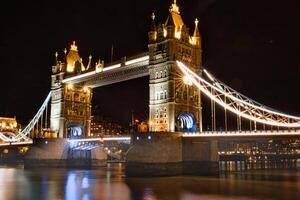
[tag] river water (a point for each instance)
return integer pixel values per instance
(111, 183)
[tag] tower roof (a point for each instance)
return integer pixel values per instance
(73, 55)
(174, 17)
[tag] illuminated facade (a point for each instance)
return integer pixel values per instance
(170, 93)
(9, 125)
(71, 103)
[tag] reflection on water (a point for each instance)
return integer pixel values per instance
(111, 183)
(235, 166)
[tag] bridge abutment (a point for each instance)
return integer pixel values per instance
(165, 154)
(57, 153)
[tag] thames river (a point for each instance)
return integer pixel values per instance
(111, 183)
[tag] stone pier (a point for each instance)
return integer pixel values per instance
(164, 154)
(57, 153)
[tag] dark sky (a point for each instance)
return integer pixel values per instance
(252, 45)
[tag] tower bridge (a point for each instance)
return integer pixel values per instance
(177, 82)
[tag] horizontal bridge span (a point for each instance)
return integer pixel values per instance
(119, 72)
(280, 133)
(100, 139)
(16, 143)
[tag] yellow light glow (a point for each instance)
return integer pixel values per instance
(70, 86)
(74, 47)
(150, 123)
(187, 80)
(70, 68)
(85, 89)
(174, 8)
(192, 40)
(165, 32)
(178, 34)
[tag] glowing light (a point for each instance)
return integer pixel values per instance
(111, 67)
(70, 68)
(192, 40)
(208, 75)
(150, 123)
(239, 100)
(73, 46)
(165, 32)
(137, 60)
(194, 76)
(178, 34)
(101, 69)
(85, 89)
(174, 8)
(187, 80)
(70, 86)
(79, 76)
(101, 139)
(186, 120)
(244, 133)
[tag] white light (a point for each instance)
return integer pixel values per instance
(187, 80)
(85, 89)
(238, 133)
(234, 98)
(208, 75)
(144, 58)
(149, 137)
(78, 76)
(111, 67)
(141, 59)
(70, 86)
(192, 75)
(101, 139)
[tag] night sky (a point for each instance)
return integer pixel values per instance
(252, 45)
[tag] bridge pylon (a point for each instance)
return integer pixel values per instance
(70, 102)
(169, 95)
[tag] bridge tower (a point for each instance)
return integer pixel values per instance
(171, 95)
(70, 103)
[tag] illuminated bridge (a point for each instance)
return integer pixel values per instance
(177, 84)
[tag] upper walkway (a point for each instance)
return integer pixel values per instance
(134, 67)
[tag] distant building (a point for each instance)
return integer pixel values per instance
(9, 125)
(105, 126)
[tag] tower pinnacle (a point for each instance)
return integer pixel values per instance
(196, 31)
(73, 46)
(153, 16)
(174, 8)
